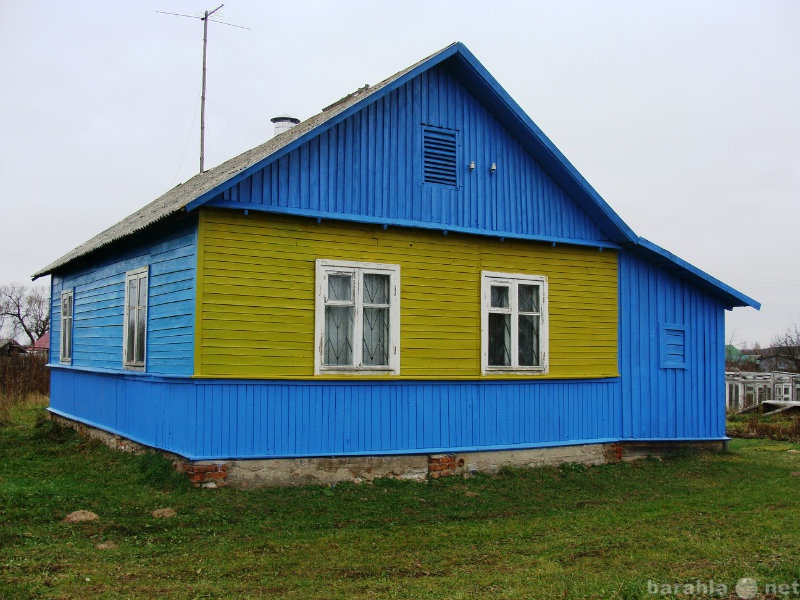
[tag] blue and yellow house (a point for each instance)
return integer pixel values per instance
(417, 270)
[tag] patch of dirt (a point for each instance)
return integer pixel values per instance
(109, 545)
(164, 513)
(79, 516)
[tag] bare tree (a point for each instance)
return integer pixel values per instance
(786, 350)
(25, 310)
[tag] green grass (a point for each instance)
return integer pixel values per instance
(569, 532)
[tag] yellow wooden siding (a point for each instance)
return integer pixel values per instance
(256, 294)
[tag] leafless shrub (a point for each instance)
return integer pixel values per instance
(784, 430)
(20, 377)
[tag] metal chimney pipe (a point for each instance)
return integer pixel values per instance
(283, 123)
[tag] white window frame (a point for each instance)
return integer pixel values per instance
(65, 343)
(127, 361)
(489, 278)
(357, 270)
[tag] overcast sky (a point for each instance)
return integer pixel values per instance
(684, 115)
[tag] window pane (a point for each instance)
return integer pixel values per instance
(499, 339)
(376, 336)
(376, 289)
(528, 298)
(499, 296)
(142, 292)
(132, 293)
(529, 341)
(141, 323)
(338, 335)
(131, 334)
(340, 287)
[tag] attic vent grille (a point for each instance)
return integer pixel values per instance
(439, 156)
(673, 346)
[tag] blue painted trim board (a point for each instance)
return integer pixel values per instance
(353, 218)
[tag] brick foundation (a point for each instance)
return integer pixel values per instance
(442, 465)
(205, 474)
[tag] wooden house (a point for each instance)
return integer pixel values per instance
(414, 280)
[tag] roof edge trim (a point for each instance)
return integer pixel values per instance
(724, 290)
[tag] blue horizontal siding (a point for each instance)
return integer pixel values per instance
(219, 419)
(659, 400)
(371, 166)
(99, 296)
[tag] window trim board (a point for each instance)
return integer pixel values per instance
(133, 365)
(63, 358)
(488, 278)
(322, 268)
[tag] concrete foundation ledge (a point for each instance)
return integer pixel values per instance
(278, 472)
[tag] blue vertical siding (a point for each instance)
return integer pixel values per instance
(268, 419)
(659, 402)
(370, 166)
(99, 293)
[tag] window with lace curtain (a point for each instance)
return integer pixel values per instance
(513, 323)
(357, 323)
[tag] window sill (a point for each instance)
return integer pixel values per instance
(361, 371)
(515, 371)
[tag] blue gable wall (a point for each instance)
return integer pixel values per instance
(99, 295)
(369, 167)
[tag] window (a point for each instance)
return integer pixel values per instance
(439, 156)
(357, 317)
(135, 326)
(673, 346)
(67, 307)
(514, 332)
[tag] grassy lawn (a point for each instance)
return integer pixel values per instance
(573, 532)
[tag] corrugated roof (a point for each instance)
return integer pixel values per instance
(181, 195)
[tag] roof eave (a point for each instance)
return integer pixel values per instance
(731, 297)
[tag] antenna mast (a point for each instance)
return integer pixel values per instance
(205, 19)
(203, 92)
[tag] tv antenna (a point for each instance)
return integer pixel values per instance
(205, 19)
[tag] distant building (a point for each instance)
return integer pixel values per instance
(42, 346)
(10, 347)
(747, 390)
